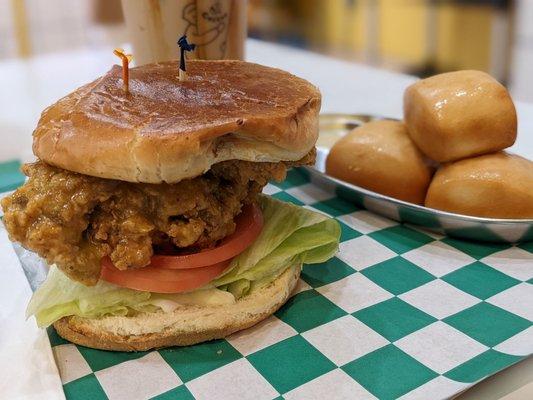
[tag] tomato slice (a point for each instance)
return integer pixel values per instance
(161, 280)
(249, 225)
(183, 273)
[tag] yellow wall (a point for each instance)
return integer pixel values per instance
(463, 33)
(402, 30)
(339, 26)
(464, 37)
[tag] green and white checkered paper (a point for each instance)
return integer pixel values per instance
(398, 313)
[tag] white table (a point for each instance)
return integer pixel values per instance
(28, 86)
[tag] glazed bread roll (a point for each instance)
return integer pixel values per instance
(498, 185)
(459, 114)
(380, 156)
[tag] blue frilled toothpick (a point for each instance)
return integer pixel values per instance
(184, 46)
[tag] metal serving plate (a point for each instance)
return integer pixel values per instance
(334, 126)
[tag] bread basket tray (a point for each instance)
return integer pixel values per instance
(334, 126)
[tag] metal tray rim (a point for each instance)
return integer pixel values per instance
(469, 218)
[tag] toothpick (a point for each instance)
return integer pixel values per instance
(184, 46)
(126, 58)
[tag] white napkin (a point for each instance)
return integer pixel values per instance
(27, 366)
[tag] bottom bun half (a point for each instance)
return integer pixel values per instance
(184, 326)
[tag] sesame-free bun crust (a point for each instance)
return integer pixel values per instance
(498, 185)
(165, 130)
(459, 114)
(185, 326)
(380, 156)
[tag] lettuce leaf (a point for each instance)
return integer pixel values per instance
(291, 235)
(59, 296)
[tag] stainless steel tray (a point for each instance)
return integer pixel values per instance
(334, 126)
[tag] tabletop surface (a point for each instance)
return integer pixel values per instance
(29, 86)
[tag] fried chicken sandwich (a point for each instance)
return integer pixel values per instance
(147, 204)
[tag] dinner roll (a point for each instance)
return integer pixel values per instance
(380, 156)
(459, 114)
(498, 185)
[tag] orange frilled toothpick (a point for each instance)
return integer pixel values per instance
(126, 58)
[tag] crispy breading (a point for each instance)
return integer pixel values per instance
(74, 220)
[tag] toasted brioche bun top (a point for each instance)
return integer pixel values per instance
(166, 130)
